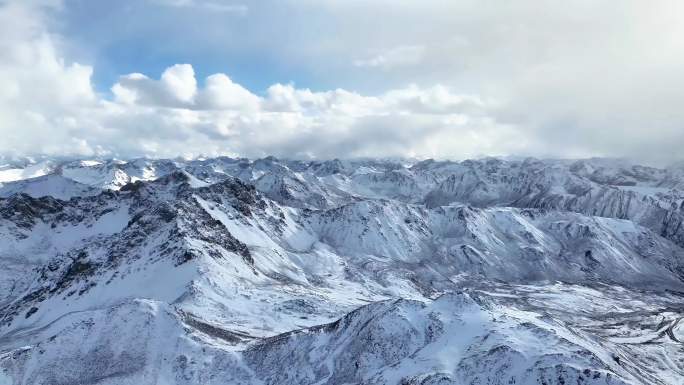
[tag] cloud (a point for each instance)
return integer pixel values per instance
(226, 118)
(41, 95)
(395, 57)
(177, 87)
(179, 82)
(214, 6)
(459, 79)
(286, 98)
(221, 92)
(173, 115)
(437, 99)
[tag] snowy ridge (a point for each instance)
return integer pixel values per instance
(235, 271)
(54, 185)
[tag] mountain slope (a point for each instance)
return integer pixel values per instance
(225, 271)
(53, 185)
(458, 338)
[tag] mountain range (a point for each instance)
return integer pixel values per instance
(368, 271)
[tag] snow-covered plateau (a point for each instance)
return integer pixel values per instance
(269, 271)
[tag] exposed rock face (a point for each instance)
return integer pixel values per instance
(230, 271)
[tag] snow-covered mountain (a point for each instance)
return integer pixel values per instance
(233, 271)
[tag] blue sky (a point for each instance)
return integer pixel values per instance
(325, 78)
(258, 44)
(133, 36)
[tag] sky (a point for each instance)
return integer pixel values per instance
(343, 78)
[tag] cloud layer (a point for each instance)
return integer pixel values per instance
(580, 81)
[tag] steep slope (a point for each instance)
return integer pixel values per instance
(13, 169)
(509, 244)
(114, 174)
(559, 186)
(53, 185)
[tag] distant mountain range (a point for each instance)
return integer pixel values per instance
(269, 271)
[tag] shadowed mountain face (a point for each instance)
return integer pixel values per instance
(231, 271)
